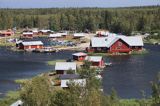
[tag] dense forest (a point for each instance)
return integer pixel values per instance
(118, 20)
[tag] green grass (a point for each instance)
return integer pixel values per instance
(21, 81)
(54, 62)
(142, 52)
(98, 54)
(13, 94)
(10, 98)
(135, 102)
(129, 102)
(152, 41)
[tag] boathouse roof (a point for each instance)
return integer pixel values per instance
(79, 54)
(110, 40)
(132, 40)
(65, 66)
(102, 41)
(94, 58)
(27, 33)
(78, 34)
(28, 43)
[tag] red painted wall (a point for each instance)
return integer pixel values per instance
(79, 58)
(119, 46)
(28, 35)
(99, 64)
(31, 47)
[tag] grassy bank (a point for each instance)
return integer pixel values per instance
(141, 52)
(4, 42)
(152, 41)
(10, 98)
(54, 62)
(21, 81)
(135, 102)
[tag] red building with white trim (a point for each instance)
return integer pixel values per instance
(116, 44)
(6, 33)
(96, 61)
(31, 45)
(28, 34)
(119, 46)
(79, 56)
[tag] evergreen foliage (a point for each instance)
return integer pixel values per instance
(119, 20)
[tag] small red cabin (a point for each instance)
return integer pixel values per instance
(79, 56)
(28, 34)
(96, 61)
(6, 33)
(30, 45)
(45, 32)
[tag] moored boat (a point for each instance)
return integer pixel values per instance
(108, 64)
(45, 50)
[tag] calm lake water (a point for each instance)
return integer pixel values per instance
(17, 65)
(128, 75)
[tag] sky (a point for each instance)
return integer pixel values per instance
(75, 3)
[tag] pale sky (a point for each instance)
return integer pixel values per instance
(75, 3)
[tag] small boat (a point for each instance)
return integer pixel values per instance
(108, 64)
(49, 50)
(45, 50)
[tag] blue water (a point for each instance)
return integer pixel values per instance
(132, 74)
(17, 65)
(129, 74)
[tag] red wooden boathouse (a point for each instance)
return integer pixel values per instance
(79, 56)
(96, 61)
(116, 44)
(28, 34)
(30, 45)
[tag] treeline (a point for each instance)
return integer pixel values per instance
(118, 20)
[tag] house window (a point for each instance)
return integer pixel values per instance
(118, 48)
(119, 43)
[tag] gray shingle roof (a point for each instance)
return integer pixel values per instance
(27, 43)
